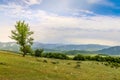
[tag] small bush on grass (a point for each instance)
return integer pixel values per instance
(45, 61)
(2, 63)
(69, 63)
(55, 62)
(77, 66)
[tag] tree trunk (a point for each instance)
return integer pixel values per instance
(24, 54)
(24, 51)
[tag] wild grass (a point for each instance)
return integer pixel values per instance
(15, 67)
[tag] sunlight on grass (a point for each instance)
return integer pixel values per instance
(16, 67)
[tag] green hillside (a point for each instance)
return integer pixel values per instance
(15, 67)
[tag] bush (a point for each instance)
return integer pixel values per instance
(113, 62)
(77, 66)
(79, 57)
(38, 52)
(45, 61)
(55, 62)
(56, 55)
(97, 58)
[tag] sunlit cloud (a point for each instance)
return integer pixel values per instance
(102, 2)
(32, 2)
(68, 25)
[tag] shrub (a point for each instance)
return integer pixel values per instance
(2, 63)
(77, 66)
(45, 61)
(69, 63)
(79, 57)
(56, 55)
(38, 52)
(55, 62)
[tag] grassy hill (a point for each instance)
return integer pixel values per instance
(15, 67)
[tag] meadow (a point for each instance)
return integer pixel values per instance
(15, 67)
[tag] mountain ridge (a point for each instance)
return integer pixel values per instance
(115, 50)
(59, 47)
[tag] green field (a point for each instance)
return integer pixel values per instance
(15, 67)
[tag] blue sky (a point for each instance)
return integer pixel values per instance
(64, 21)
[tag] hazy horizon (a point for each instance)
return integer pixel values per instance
(63, 43)
(64, 21)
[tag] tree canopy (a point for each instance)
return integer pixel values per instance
(22, 36)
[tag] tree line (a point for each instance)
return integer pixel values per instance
(113, 62)
(79, 57)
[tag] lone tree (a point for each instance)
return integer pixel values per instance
(22, 36)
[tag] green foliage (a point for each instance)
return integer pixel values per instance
(22, 36)
(56, 55)
(97, 58)
(113, 62)
(45, 61)
(74, 52)
(79, 57)
(55, 62)
(38, 52)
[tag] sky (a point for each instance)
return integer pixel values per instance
(64, 21)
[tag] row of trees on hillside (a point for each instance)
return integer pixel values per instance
(99, 58)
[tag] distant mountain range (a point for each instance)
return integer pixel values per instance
(12, 46)
(88, 47)
(67, 48)
(54, 47)
(112, 50)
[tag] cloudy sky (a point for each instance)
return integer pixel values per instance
(64, 21)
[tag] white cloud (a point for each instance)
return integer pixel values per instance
(91, 41)
(97, 1)
(32, 2)
(82, 12)
(102, 2)
(97, 29)
(102, 23)
(10, 6)
(12, 9)
(53, 28)
(87, 11)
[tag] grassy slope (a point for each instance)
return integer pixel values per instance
(15, 67)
